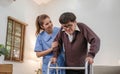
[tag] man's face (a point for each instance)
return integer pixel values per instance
(69, 27)
(47, 25)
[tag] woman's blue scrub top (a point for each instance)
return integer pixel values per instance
(43, 42)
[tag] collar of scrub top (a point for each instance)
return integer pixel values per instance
(46, 36)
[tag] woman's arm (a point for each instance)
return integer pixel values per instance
(43, 53)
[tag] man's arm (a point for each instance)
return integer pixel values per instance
(94, 41)
(56, 50)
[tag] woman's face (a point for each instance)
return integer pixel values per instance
(47, 25)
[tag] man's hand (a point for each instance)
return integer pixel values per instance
(53, 60)
(90, 60)
(54, 44)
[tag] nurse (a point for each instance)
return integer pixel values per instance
(46, 33)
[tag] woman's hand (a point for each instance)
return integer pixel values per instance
(54, 44)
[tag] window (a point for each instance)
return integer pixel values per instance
(15, 39)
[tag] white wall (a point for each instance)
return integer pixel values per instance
(103, 16)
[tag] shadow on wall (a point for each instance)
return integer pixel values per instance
(107, 70)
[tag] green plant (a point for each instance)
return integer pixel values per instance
(3, 50)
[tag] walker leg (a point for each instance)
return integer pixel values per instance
(86, 68)
(91, 69)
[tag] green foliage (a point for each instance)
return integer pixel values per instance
(3, 50)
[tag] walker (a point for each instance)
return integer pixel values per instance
(73, 68)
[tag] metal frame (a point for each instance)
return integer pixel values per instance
(73, 68)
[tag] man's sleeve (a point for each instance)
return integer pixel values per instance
(58, 38)
(94, 41)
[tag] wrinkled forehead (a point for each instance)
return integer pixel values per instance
(68, 24)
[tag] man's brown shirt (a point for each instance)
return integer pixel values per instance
(77, 50)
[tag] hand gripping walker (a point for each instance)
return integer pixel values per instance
(73, 68)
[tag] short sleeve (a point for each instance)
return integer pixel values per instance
(38, 45)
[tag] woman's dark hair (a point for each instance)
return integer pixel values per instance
(67, 17)
(39, 23)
